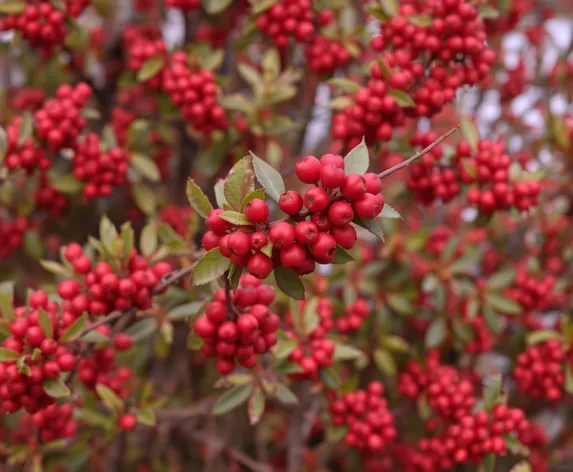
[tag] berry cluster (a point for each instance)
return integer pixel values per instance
(194, 91)
(331, 204)
(55, 422)
(286, 19)
(101, 171)
(370, 423)
(539, 370)
(178, 217)
(183, 5)
(530, 293)
(42, 355)
(48, 198)
(26, 156)
(41, 24)
(59, 122)
(143, 43)
(354, 316)
(102, 290)
(12, 235)
(325, 55)
(240, 327)
(27, 98)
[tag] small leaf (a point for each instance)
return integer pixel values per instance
(240, 182)
(283, 348)
(330, 378)
(385, 362)
(45, 323)
(373, 226)
(150, 68)
(142, 329)
(148, 239)
(144, 198)
(269, 178)
(211, 266)
(487, 12)
(197, 199)
(231, 399)
(213, 60)
(346, 85)
(488, 463)
(252, 76)
(389, 212)
(12, 7)
(256, 406)
(395, 343)
(400, 304)
(515, 446)
(235, 217)
(6, 308)
(109, 397)
(543, 335)
(357, 160)
(67, 184)
(503, 304)
(568, 385)
(147, 417)
(94, 337)
(501, 280)
(390, 7)
(285, 395)
(462, 331)
(185, 311)
(145, 166)
(385, 69)
(212, 7)
(289, 283)
(402, 98)
(492, 319)
(339, 103)
(7, 355)
(492, 391)
(335, 434)
(310, 318)
(344, 352)
(258, 193)
(26, 128)
(469, 132)
(436, 333)
(56, 388)
(342, 256)
(75, 330)
(420, 20)
(220, 194)
(259, 6)
(522, 466)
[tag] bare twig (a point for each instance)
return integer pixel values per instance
(200, 408)
(416, 156)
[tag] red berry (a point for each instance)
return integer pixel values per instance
(210, 240)
(128, 422)
(340, 213)
(260, 265)
(282, 235)
(239, 244)
(353, 187)
(333, 159)
(122, 342)
(215, 223)
(290, 202)
(345, 236)
(307, 169)
(247, 323)
(373, 184)
(305, 232)
(324, 247)
(258, 240)
(293, 256)
(257, 211)
(331, 176)
(316, 199)
(369, 206)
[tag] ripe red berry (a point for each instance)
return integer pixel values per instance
(331, 176)
(215, 223)
(290, 202)
(333, 159)
(316, 199)
(305, 232)
(239, 244)
(128, 422)
(258, 240)
(323, 248)
(353, 187)
(345, 236)
(247, 323)
(257, 211)
(281, 235)
(210, 240)
(260, 265)
(340, 213)
(373, 184)
(122, 342)
(369, 206)
(307, 169)
(293, 256)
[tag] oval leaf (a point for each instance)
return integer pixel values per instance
(269, 178)
(436, 333)
(469, 132)
(55, 388)
(231, 399)
(256, 406)
(75, 330)
(289, 283)
(197, 199)
(212, 265)
(357, 160)
(7, 355)
(150, 68)
(235, 217)
(342, 256)
(145, 166)
(109, 397)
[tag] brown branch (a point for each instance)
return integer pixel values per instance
(202, 407)
(416, 156)
(173, 277)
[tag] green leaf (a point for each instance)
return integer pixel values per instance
(310, 318)
(220, 194)
(395, 343)
(543, 335)
(385, 362)
(67, 184)
(26, 128)
(252, 76)
(94, 337)
(127, 236)
(269, 178)
(501, 280)
(469, 132)
(462, 331)
(231, 399)
(56, 388)
(144, 198)
(109, 397)
(259, 6)
(212, 7)
(12, 7)
(75, 330)
(258, 193)
(488, 463)
(346, 85)
(335, 434)
(385, 69)
(271, 62)
(145, 166)
(185, 311)
(390, 7)
(389, 212)
(339, 103)
(420, 20)
(436, 333)
(402, 98)
(492, 391)
(142, 329)
(256, 406)
(357, 160)
(7, 355)
(45, 323)
(450, 249)
(289, 283)
(147, 417)
(488, 12)
(235, 217)
(285, 395)
(330, 378)
(503, 304)
(150, 68)
(283, 348)
(213, 60)
(3, 143)
(55, 268)
(211, 266)
(91, 417)
(342, 256)
(515, 446)
(400, 304)
(492, 319)
(240, 182)
(522, 466)
(344, 352)
(148, 239)
(371, 225)
(6, 308)
(568, 385)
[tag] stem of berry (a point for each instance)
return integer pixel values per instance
(416, 156)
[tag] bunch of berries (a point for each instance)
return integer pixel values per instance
(55, 422)
(370, 423)
(325, 55)
(239, 328)
(101, 171)
(25, 156)
(59, 122)
(48, 198)
(194, 91)
(354, 316)
(183, 5)
(103, 290)
(38, 353)
(12, 235)
(287, 19)
(142, 43)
